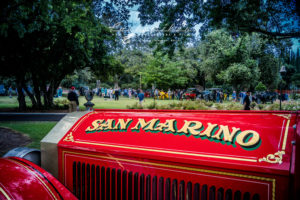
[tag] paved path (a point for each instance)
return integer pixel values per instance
(10, 139)
(8, 116)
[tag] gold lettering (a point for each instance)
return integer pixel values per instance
(95, 125)
(241, 138)
(209, 130)
(145, 125)
(187, 128)
(108, 125)
(168, 126)
(226, 133)
(122, 125)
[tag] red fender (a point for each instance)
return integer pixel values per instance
(22, 179)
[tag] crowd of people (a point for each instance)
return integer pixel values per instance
(111, 93)
(217, 95)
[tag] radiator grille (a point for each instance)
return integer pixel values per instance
(96, 182)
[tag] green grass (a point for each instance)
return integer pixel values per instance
(6, 102)
(35, 130)
(101, 103)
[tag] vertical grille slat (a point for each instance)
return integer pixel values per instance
(168, 189)
(174, 190)
(189, 191)
(102, 183)
(113, 184)
(83, 182)
(78, 180)
(130, 186)
(142, 187)
(220, 194)
(107, 185)
(119, 184)
(181, 190)
(237, 195)
(161, 189)
(256, 197)
(154, 188)
(98, 183)
(88, 182)
(196, 195)
(228, 194)
(246, 196)
(148, 187)
(74, 178)
(124, 185)
(136, 186)
(92, 181)
(204, 192)
(212, 193)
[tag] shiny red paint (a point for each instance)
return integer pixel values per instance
(21, 179)
(264, 170)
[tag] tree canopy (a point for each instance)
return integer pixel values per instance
(43, 41)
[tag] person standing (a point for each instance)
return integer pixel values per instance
(10, 91)
(218, 96)
(117, 93)
(234, 96)
(247, 101)
(73, 98)
(141, 97)
(59, 92)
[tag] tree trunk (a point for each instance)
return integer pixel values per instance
(21, 98)
(31, 96)
(37, 92)
(116, 81)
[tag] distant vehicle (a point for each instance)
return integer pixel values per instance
(264, 97)
(210, 94)
(3, 91)
(191, 93)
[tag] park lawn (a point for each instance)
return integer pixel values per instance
(100, 102)
(35, 130)
(6, 102)
(123, 103)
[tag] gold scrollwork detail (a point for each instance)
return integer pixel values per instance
(286, 116)
(69, 138)
(273, 158)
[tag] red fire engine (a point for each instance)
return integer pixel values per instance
(172, 154)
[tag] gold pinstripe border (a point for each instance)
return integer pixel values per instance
(4, 193)
(70, 138)
(272, 180)
(171, 152)
(32, 172)
(275, 158)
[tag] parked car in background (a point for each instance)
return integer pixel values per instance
(210, 94)
(191, 93)
(266, 96)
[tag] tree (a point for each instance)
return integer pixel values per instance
(276, 19)
(260, 87)
(43, 41)
(164, 73)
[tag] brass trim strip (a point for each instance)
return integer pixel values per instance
(272, 180)
(285, 135)
(32, 172)
(5, 194)
(165, 151)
